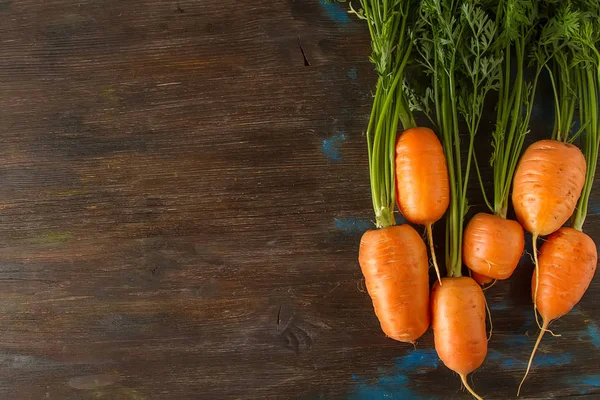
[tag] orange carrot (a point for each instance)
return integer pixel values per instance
(481, 279)
(458, 319)
(394, 263)
(460, 81)
(393, 258)
(567, 260)
(423, 191)
(492, 245)
(547, 185)
(567, 263)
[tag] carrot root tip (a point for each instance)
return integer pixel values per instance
(463, 378)
(492, 284)
(534, 239)
(432, 250)
(535, 347)
(552, 333)
(489, 313)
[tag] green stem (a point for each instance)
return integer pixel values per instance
(514, 114)
(588, 90)
(388, 26)
(481, 185)
(557, 116)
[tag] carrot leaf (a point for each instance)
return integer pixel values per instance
(391, 26)
(455, 43)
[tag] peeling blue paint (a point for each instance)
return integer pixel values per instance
(418, 360)
(336, 12)
(331, 146)
(352, 225)
(399, 218)
(541, 360)
(584, 383)
(593, 333)
(494, 355)
(393, 380)
(591, 380)
(501, 359)
(394, 384)
(388, 387)
(593, 207)
(352, 73)
(498, 306)
(553, 360)
(515, 340)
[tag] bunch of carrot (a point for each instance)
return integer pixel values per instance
(462, 50)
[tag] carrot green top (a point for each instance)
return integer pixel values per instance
(575, 77)
(391, 26)
(455, 46)
(516, 21)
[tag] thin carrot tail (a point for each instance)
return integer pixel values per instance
(537, 343)
(534, 239)
(490, 317)
(492, 284)
(463, 378)
(432, 250)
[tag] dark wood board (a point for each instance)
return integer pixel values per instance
(183, 185)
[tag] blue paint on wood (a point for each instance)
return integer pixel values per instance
(336, 12)
(352, 73)
(394, 384)
(331, 147)
(418, 360)
(494, 355)
(590, 380)
(393, 380)
(593, 207)
(541, 360)
(389, 387)
(515, 341)
(499, 306)
(503, 360)
(593, 333)
(352, 225)
(553, 360)
(584, 383)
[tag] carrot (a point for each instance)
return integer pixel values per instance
(394, 263)
(567, 260)
(567, 264)
(481, 279)
(493, 245)
(393, 259)
(456, 49)
(423, 191)
(547, 185)
(458, 320)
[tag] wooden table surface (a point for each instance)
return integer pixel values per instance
(183, 185)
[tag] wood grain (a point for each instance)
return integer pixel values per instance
(183, 188)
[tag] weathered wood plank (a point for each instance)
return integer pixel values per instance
(183, 187)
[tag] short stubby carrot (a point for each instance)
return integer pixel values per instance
(492, 245)
(395, 266)
(422, 186)
(421, 176)
(567, 263)
(547, 185)
(458, 319)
